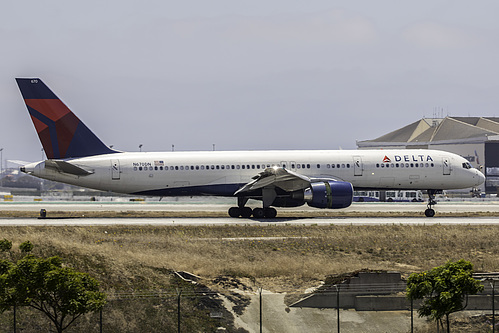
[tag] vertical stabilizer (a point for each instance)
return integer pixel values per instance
(61, 133)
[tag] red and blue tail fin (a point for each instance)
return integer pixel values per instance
(62, 134)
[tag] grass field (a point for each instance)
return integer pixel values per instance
(280, 257)
(277, 257)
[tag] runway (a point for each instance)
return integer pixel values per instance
(76, 214)
(231, 221)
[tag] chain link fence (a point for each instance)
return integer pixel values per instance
(375, 308)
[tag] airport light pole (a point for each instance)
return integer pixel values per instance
(140, 147)
(1, 167)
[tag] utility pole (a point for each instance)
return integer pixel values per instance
(1, 166)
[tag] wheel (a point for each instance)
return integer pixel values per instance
(390, 200)
(429, 212)
(270, 213)
(258, 213)
(246, 212)
(234, 212)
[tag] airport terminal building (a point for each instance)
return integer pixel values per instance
(474, 138)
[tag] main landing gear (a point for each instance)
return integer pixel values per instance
(246, 212)
(430, 212)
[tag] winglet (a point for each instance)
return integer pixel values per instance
(61, 133)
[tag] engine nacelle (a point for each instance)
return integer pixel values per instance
(329, 194)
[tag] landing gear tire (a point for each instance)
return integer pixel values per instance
(234, 212)
(429, 212)
(270, 213)
(258, 213)
(246, 212)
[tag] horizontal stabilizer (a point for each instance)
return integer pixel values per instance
(66, 167)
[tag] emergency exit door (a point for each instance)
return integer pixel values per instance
(115, 169)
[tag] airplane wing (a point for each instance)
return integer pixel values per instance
(285, 179)
(66, 167)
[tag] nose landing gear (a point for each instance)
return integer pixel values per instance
(430, 212)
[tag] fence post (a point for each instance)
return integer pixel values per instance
(100, 320)
(412, 315)
(492, 284)
(337, 307)
(261, 321)
(179, 292)
(15, 325)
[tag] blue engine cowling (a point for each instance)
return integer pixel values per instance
(329, 194)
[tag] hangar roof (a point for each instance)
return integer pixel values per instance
(439, 130)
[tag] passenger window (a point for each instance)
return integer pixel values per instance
(218, 167)
(318, 166)
(337, 166)
(298, 166)
(308, 166)
(237, 167)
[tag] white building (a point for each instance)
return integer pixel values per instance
(474, 138)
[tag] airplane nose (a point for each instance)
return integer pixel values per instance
(480, 177)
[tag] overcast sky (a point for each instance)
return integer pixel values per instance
(280, 74)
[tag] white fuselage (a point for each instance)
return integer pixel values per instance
(223, 173)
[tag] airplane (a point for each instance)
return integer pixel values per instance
(287, 178)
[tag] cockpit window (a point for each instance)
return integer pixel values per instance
(467, 165)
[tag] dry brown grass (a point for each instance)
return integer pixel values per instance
(135, 257)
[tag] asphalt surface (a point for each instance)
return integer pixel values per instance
(80, 208)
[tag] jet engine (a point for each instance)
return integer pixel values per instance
(329, 194)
